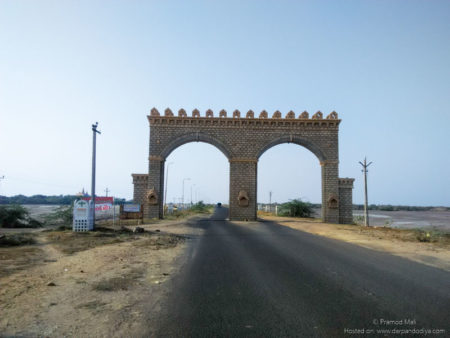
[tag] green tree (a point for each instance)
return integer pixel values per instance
(296, 208)
(199, 207)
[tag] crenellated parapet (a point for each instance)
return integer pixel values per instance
(140, 178)
(346, 182)
(290, 120)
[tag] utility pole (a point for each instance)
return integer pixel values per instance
(270, 201)
(193, 185)
(107, 191)
(182, 198)
(365, 165)
(165, 188)
(94, 140)
(114, 211)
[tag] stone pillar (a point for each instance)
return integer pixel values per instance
(154, 208)
(140, 183)
(330, 191)
(243, 176)
(346, 200)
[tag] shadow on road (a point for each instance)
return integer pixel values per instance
(220, 214)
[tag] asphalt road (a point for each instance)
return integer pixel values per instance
(260, 279)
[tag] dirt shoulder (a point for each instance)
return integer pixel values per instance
(98, 284)
(411, 244)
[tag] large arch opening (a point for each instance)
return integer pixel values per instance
(195, 137)
(194, 172)
(288, 171)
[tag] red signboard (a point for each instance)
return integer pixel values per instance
(99, 200)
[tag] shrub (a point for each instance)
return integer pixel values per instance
(16, 216)
(62, 215)
(296, 208)
(16, 240)
(199, 207)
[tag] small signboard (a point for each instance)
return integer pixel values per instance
(101, 203)
(100, 200)
(131, 211)
(132, 208)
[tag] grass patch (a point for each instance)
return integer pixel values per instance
(16, 258)
(406, 235)
(112, 284)
(17, 252)
(157, 242)
(92, 305)
(70, 242)
(196, 209)
(432, 236)
(119, 283)
(16, 240)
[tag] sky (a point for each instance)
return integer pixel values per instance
(383, 66)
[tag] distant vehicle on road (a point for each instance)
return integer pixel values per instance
(219, 205)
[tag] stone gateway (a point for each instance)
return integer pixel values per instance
(243, 140)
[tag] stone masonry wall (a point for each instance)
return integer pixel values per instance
(243, 175)
(346, 198)
(140, 182)
(243, 140)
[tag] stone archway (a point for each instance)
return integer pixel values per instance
(243, 140)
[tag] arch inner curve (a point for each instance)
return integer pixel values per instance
(296, 140)
(195, 137)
